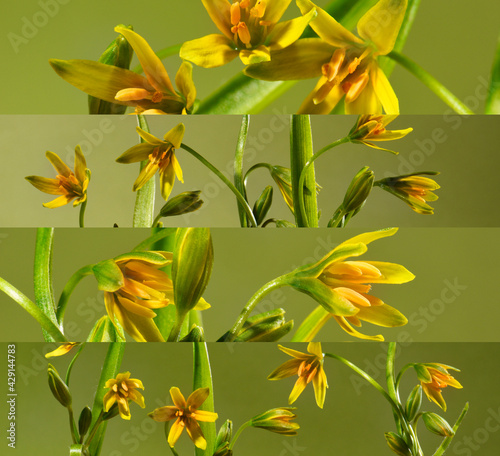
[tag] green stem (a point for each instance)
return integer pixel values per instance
(94, 429)
(68, 290)
(238, 432)
(83, 206)
(144, 210)
(238, 167)
(432, 83)
(72, 363)
(390, 373)
(176, 330)
(304, 174)
(44, 294)
(254, 300)
(400, 375)
(447, 441)
(45, 322)
(161, 54)
(301, 151)
(254, 167)
(72, 426)
(160, 234)
(226, 181)
(172, 449)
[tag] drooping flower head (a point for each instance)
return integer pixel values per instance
(434, 377)
(347, 64)
(250, 30)
(414, 189)
(70, 185)
(153, 94)
(278, 420)
(308, 367)
(122, 390)
(186, 415)
(342, 287)
(161, 157)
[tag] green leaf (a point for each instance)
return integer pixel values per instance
(493, 101)
(239, 181)
(202, 378)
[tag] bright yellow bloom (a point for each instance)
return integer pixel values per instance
(186, 415)
(249, 29)
(434, 377)
(161, 156)
(373, 128)
(348, 64)
(309, 367)
(68, 184)
(122, 390)
(413, 189)
(62, 349)
(342, 286)
(153, 94)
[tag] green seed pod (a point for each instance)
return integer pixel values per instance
(191, 267)
(263, 204)
(119, 53)
(413, 403)
(59, 389)
(182, 204)
(397, 444)
(84, 421)
(437, 424)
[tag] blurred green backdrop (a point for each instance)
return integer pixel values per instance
(455, 41)
(463, 149)
(353, 420)
(452, 299)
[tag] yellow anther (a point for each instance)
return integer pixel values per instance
(323, 92)
(235, 13)
(157, 97)
(259, 9)
(245, 3)
(265, 23)
(244, 33)
(132, 94)
(353, 89)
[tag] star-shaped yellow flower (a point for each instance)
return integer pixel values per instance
(250, 30)
(308, 367)
(348, 64)
(434, 377)
(186, 415)
(161, 156)
(122, 390)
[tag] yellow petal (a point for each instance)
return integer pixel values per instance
(177, 167)
(286, 33)
(136, 153)
(320, 385)
(141, 329)
(149, 138)
(315, 349)
(205, 416)
(175, 135)
(327, 27)
(137, 397)
(294, 353)
(197, 397)
(366, 238)
(80, 164)
(147, 173)
(58, 202)
(275, 10)
(162, 414)
(287, 369)
(61, 350)
(219, 12)
(380, 25)
(44, 184)
(390, 273)
(153, 67)
(384, 90)
(167, 179)
(177, 397)
(209, 51)
(382, 315)
(108, 400)
(391, 135)
(202, 305)
(185, 84)
(253, 56)
(194, 431)
(351, 331)
(175, 432)
(136, 308)
(58, 164)
(299, 386)
(367, 102)
(327, 105)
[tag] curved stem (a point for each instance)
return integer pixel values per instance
(254, 300)
(308, 164)
(254, 167)
(161, 54)
(28, 305)
(224, 179)
(431, 82)
(81, 219)
(238, 167)
(176, 330)
(160, 234)
(72, 425)
(72, 363)
(390, 374)
(400, 375)
(94, 429)
(238, 433)
(68, 290)
(144, 210)
(447, 441)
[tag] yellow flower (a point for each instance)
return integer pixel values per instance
(153, 94)
(434, 377)
(161, 156)
(250, 30)
(309, 367)
(373, 128)
(413, 189)
(122, 390)
(62, 349)
(186, 415)
(342, 287)
(348, 64)
(70, 185)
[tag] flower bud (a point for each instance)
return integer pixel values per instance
(225, 434)
(263, 204)
(119, 53)
(437, 425)
(59, 389)
(413, 403)
(277, 420)
(195, 335)
(182, 204)
(397, 444)
(84, 421)
(191, 267)
(265, 327)
(358, 190)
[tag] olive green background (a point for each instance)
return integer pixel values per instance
(452, 299)
(463, 149)
(353, 420)
(455, 41)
